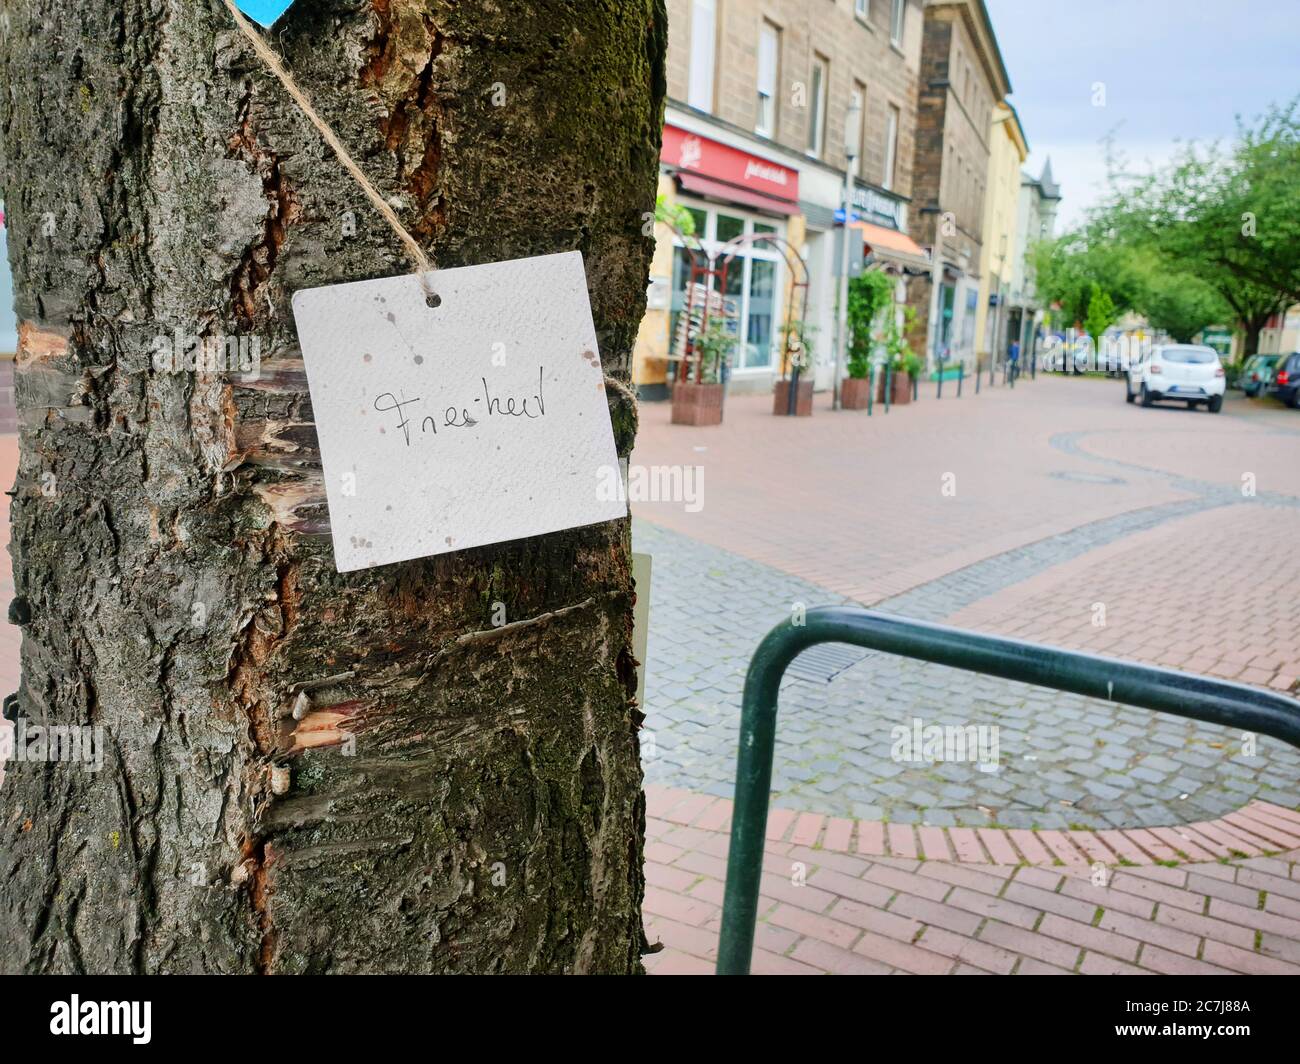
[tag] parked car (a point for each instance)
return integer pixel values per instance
(1257, 374)
(1189, 373)
(1286, 380)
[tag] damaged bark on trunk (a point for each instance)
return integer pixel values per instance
(453, 794)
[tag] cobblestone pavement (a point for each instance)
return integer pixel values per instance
(1064, 760)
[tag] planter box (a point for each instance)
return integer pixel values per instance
(902, 389)
(854, 392)
(803, 398)
(697, 404)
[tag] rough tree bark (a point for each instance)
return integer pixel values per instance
(174, 566)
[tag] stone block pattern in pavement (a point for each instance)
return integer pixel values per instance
(1064, 759)
(827, 911)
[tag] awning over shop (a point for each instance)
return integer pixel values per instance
(723, 190)
(894, 246)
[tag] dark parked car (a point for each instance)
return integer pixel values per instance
(1286, 380)
(1257, 374)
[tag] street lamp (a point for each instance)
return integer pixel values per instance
(852, 127)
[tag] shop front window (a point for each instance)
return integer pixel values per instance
(761, 313)
(943, 337)
(752, 288)
(728, 228)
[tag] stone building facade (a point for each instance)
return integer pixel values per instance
(754, 146)
(1040, 199)
(962, 79)
(1008, 150)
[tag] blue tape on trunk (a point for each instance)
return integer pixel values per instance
(264, 12)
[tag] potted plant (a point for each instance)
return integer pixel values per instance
(856, 387)
(869, 294)
(901, 365)
(698, 400)
(795, 394)
(907, 367)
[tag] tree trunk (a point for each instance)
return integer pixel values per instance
(1252, 329)
(464, 795)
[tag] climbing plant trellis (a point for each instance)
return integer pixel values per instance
(708, 277)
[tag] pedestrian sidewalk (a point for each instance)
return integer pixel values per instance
(872, 506)
(1140, 598)
(857, 897)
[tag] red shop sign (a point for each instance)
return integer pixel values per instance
(690, 151)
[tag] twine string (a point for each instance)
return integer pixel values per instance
(272, 61)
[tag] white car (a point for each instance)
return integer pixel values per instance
(1186, 373)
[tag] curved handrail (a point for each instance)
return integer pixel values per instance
(1150, 687)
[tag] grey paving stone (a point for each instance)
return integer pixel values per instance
(710, 608)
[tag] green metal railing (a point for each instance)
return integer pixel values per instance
(1181, 694)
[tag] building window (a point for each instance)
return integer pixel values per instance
(891, 148)
(859, 100)
(896, 16)
(769, 51)
(817, 106)
(754, 281)
(704, 29)
(862, 8)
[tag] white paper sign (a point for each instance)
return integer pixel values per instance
(478, 421)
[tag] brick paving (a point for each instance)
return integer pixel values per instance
(1199, 593)
(1256, 440)
(854, 504)
(1067, 498)
(1003, 907)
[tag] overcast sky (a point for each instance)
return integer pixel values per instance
(1172, 70)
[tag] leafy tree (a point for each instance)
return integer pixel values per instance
(1101, 314)
(1067, 270)
(1230, 218)
(1181, 304)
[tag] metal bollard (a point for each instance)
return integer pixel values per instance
(961, 374)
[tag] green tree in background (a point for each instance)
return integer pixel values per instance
(1180, 303)
(1101, 314)
(1228, 218)
(1069, 268)
(1212, 237)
